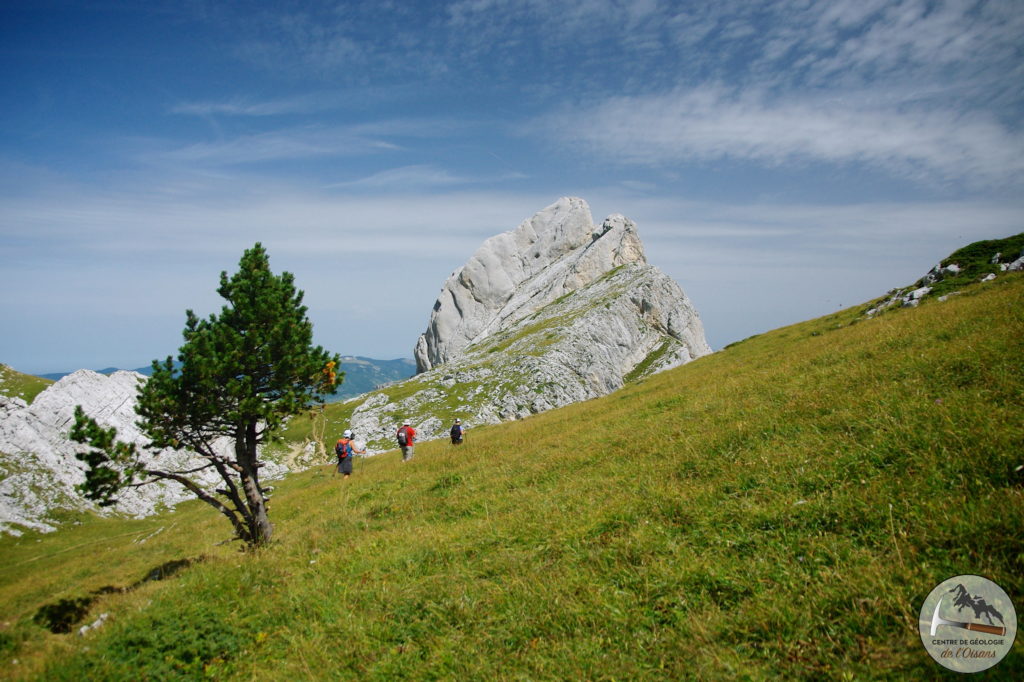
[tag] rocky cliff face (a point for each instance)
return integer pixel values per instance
(556, 311)
(557, 251)
(38, 467)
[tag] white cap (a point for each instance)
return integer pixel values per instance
(405, 422)
(347, 434)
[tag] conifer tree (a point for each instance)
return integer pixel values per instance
(239, 375)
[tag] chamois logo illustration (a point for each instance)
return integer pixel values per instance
(964, 599)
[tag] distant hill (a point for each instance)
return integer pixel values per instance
(57, 376)
(361, 374)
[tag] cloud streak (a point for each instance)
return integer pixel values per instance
(786, 43)
(419, 177)
(717, 123)
(296, 143)
(301, 142)
(245, 107)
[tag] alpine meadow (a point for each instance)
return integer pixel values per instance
(776, 510)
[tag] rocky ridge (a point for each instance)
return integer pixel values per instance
(557, 311)
(38, 467)
(975, 263)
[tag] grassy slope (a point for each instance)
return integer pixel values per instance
(778, 509)
(975, 261)
(17, 385)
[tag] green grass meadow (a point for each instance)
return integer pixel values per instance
(14, 384)
(777, 510)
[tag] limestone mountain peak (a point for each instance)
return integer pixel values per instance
(556, 311)
(513, 274)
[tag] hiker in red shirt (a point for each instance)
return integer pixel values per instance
(406, 438)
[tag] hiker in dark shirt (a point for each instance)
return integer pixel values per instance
(456, 432)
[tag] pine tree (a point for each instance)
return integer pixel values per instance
(240, 375)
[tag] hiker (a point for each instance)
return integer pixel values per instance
(456, 432)
(345, 449)
(406, 438)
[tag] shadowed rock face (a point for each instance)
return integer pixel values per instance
(516, 273)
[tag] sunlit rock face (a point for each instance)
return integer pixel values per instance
(516, 273)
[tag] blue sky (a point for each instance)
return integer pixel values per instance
(782, 159)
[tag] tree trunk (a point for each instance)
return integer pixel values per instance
(260, 528)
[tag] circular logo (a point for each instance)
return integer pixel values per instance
(968, 623)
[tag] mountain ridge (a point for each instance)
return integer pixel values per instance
(362, 374)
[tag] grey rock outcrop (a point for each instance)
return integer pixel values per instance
(554, 312)
(38, 467)
(513, 274)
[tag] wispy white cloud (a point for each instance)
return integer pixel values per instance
(405, 245)
(584, 43)
(414, 177)
(311, 141)
(936, 36)
(317, 38)
(405, 178)
(796, 42)
(715, 123)
(344, 42)
(784, 45)
(151, 218)
(295, 143)
(876, 231)
(242, 106)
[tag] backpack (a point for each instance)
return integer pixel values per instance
(343, 449)
(456, 431)
(403, 437)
